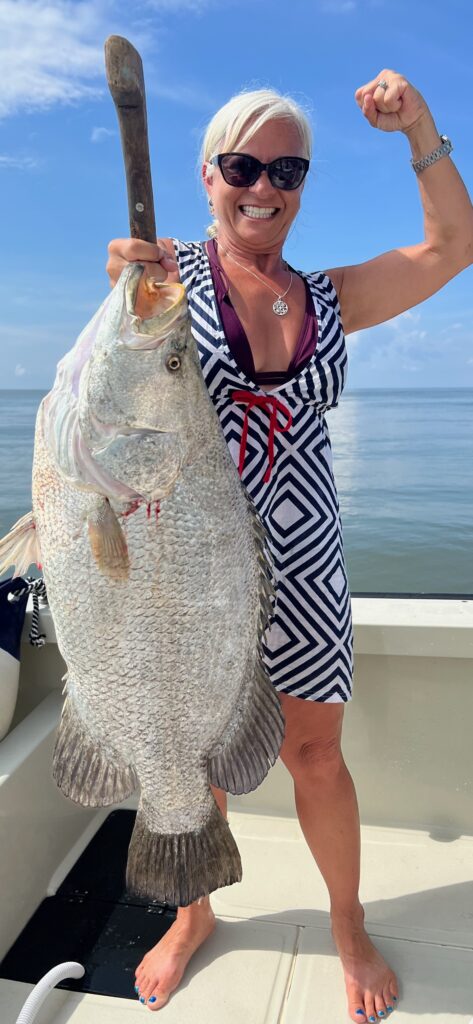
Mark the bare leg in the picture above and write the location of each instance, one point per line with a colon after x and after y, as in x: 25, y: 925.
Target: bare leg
x: 328, y: 814
x: 161, y: 970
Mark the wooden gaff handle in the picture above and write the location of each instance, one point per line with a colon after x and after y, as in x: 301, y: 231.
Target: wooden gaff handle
x: 126, y: 83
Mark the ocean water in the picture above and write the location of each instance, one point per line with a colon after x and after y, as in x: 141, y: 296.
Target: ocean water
x: 403, y: 462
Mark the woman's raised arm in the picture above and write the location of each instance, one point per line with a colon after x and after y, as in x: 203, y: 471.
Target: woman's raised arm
x: 381, y: 288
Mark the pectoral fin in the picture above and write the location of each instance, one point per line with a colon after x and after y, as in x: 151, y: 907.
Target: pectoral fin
x: 107, y: 542
x: 20, y: 547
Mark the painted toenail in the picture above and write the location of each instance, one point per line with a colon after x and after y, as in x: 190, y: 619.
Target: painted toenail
x: 381, y: 1013
x: 389, y: 1009
x: 152, y: 999
x: 372, y: 1019
x: 142, y: 999
x: 395, y: 999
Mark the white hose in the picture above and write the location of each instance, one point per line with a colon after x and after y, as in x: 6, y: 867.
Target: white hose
x: 44, y: 986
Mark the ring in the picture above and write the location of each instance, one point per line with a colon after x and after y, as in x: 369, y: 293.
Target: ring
x: 382, y: 85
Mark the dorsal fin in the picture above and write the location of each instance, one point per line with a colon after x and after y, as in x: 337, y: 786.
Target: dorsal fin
x: 267, y: 591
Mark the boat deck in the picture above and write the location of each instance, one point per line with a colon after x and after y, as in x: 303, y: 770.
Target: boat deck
x: 272, y: 960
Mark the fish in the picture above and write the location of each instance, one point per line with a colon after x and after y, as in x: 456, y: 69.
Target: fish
x: 160, y: 585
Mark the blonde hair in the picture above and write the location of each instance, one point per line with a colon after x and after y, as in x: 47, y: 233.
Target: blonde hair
x: 244, y: 114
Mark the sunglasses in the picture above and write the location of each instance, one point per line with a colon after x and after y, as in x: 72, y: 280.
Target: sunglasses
x: 241, y: 170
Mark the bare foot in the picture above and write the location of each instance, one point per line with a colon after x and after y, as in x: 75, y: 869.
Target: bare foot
x: 371, y: 985
x: 161, y: 970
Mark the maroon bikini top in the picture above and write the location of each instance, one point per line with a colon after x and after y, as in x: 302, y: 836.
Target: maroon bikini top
x: 238, y: 342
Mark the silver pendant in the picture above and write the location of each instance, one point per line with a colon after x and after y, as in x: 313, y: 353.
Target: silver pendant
x: 280, y: 307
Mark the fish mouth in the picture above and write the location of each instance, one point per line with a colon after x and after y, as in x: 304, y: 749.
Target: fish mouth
x: 169, y: 309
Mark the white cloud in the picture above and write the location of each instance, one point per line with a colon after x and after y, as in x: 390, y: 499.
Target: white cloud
x: 22, y: 163
x: 19, y: 370
x: 398, y: 322
x: 353, y: 339
x: 411, y: 350
x: 49, y: 52
x: 452, y: 327
x: 100, y: 134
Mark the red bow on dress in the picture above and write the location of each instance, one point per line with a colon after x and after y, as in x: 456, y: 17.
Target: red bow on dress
x: 273, y: 406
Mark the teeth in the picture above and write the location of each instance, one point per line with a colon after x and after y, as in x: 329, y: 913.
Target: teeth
x: 259, y: 211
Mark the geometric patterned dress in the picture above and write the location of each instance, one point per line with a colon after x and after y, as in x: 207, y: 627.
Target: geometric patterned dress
x: 281, y: 444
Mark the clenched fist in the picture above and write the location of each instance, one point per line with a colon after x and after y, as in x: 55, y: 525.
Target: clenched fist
x: 395, y: 109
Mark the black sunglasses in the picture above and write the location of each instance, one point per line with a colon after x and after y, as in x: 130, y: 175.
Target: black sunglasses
x: 241, y: 170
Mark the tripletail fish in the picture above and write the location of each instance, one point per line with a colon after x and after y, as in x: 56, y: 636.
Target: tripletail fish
x: 160, y: 586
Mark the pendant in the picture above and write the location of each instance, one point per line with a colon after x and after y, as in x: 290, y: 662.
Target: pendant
x: 280, y: 307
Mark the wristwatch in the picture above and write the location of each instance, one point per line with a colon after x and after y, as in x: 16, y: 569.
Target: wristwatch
x: 426, y: 161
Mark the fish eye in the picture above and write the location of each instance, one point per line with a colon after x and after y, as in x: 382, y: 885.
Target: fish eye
x: 173, y: 362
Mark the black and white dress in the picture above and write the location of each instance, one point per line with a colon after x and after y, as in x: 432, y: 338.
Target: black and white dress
x: 281, y: 443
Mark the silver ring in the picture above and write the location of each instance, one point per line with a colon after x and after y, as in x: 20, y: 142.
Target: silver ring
x: 382, y: 85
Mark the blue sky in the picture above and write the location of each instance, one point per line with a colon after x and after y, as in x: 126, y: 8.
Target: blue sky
x: 63, y: 195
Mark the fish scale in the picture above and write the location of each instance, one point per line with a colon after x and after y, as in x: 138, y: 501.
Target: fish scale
x: 159, y: 618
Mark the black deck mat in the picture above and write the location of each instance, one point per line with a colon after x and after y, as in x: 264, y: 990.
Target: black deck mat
x: 100, y: 870
x: 92, y: 919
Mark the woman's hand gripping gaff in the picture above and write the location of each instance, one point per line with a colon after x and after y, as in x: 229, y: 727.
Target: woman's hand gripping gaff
x: 159, y: 266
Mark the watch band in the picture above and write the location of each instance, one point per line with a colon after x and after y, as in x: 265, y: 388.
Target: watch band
x: 437, y: 154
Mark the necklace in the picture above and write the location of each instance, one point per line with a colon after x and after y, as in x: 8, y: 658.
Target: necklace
x: 279, y: 306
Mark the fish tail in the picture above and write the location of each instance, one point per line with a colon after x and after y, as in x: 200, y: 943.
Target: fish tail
x: 241, y: 762
x: 178, y: 869
x: 20, y: 547
x: 82, y: 771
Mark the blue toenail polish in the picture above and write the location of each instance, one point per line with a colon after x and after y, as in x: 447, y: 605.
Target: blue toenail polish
x: 142, y: 999
x: 136, y: 988
x: 381, y: 1013
x: 152, y: 999
x: 395, y: 999
x: 389, y: 1009
x: 372, y: 1019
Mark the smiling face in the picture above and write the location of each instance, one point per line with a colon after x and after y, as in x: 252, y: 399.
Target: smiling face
x: 257, y: 218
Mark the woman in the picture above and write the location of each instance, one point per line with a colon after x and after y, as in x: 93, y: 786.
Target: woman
x: 273, y: 355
